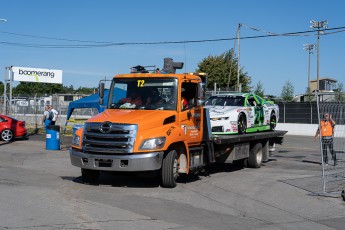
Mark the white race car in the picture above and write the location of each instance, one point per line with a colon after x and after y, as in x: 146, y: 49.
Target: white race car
x: 239, y: 113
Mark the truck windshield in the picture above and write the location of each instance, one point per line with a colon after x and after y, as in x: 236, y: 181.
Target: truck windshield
x: 143, y: 93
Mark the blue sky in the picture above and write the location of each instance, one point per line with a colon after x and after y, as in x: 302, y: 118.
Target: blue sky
x: 273, y: 61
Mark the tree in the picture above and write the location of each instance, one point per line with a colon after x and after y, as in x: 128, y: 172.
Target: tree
x: 340, y: 92
x: 84, y: 90
x: 218, y: 69
x: 287, y: 91
x: 1, y: 88
x: 30, y: 88
x: 259, y: 89
x: 309, y: 96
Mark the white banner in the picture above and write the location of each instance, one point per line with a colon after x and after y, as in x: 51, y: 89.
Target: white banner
x: 37, y: 75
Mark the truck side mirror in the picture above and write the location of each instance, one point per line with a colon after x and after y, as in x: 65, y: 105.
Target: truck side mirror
x: 201, y: 94
x: 101, y: 92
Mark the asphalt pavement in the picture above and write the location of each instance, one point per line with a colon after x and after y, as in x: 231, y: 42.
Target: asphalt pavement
x: 40, y: 189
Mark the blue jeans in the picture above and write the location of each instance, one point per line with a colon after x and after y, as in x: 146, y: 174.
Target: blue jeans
x: 46, y: 123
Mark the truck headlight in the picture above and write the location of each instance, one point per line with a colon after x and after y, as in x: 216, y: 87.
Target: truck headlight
x: 76, y: 140
x: 153, y: 143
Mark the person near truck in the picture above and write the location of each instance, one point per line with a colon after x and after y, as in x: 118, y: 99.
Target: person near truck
x: 45, y: 120
x: 134, y: 100
x: 53, y: 115
x: 327, y: 132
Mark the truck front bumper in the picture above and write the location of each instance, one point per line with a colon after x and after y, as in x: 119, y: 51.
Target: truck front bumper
x: 124, y: 163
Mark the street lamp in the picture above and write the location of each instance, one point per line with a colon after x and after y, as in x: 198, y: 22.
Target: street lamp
x: 309, y: 48
x: 4, y: 20
x: 318, y: 26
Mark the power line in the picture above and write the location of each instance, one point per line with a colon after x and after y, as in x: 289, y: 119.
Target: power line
x: 109, y: 44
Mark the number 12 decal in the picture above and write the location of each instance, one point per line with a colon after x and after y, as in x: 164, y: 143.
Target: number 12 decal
x: 141, y: 83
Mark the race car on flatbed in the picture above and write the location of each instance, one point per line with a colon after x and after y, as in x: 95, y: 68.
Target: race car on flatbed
x: 238, y: 113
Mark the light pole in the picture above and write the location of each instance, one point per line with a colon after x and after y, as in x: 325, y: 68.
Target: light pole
x: 309, y: 48
x: 318, y: 25
x: 4, y: 20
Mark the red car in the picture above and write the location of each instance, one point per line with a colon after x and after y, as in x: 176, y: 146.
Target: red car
x: 11, y: 128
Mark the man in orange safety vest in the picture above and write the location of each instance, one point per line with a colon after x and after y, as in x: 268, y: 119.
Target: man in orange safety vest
x: 327, y: 132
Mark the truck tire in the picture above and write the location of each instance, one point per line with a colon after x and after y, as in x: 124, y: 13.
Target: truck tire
x: 242, y: 123
x: 273, y: 121
x: 170, y: 169
x: 255, y: 156
x: 90, y: 176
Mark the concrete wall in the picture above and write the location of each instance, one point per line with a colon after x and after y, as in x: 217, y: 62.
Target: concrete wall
x: 308, y: 129
x: 298, y: 129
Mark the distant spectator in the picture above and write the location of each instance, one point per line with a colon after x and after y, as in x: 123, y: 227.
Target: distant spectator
x: 45, y: 119
x: 53, y: 115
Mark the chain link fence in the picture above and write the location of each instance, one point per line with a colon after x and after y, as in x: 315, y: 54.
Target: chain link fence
x: 332, y: 148
x: 30, y: 109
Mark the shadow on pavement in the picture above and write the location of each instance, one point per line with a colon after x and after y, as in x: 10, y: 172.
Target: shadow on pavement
x: 152, y: 179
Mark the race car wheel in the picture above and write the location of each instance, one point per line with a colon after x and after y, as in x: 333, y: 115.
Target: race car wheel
x: 7, y: 135
x: 242, y: 123
x: 273, y: 121
x: 170, y: 168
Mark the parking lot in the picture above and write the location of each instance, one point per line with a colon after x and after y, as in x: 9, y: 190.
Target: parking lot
x: 40, y: 189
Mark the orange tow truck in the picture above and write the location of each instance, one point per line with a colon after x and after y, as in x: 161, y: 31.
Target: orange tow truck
x: 156, y: 121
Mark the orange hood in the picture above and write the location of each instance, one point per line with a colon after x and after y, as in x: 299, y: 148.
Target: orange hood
x: 146, y: 119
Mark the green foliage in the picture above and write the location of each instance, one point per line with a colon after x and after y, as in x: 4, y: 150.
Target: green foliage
x: 30, y: 88
x: 1, y: 88
x: 287, y: 91
x: 340, y: 92
x: 309, y: 96
x: 84, y: 90
x: 218, y: 68
x: 259, y: 89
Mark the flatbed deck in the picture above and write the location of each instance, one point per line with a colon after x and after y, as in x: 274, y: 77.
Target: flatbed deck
x: 238, y: 138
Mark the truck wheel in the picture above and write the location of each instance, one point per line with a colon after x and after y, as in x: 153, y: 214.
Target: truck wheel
x: 90, y: 176
x: 255, y: 156
x: 242, y: 123
x: 7, y: 135
x: 273, y: 121
x: 170, y: 170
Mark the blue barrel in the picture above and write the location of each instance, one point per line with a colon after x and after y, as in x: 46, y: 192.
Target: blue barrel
x: 76, y: 127
x: 53, y: 137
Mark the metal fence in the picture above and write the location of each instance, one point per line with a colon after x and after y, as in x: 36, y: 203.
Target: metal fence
x: 332, y: 149
x: 31, y: 108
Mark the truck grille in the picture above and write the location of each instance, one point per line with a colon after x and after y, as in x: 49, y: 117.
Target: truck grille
x: 109, y: 138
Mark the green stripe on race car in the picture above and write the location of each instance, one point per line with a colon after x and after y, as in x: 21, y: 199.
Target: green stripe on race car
x: 259, y: 128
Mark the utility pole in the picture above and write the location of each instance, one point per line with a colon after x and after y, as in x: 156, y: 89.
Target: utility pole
x: 238, y: 58
x: 309, y: 48
x: 318, y: 26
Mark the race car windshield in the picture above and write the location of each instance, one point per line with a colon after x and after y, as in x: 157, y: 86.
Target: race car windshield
x: 144, y: 94
x: 230, y: 101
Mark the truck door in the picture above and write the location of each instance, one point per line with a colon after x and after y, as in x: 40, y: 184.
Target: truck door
x: 190, y: 113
